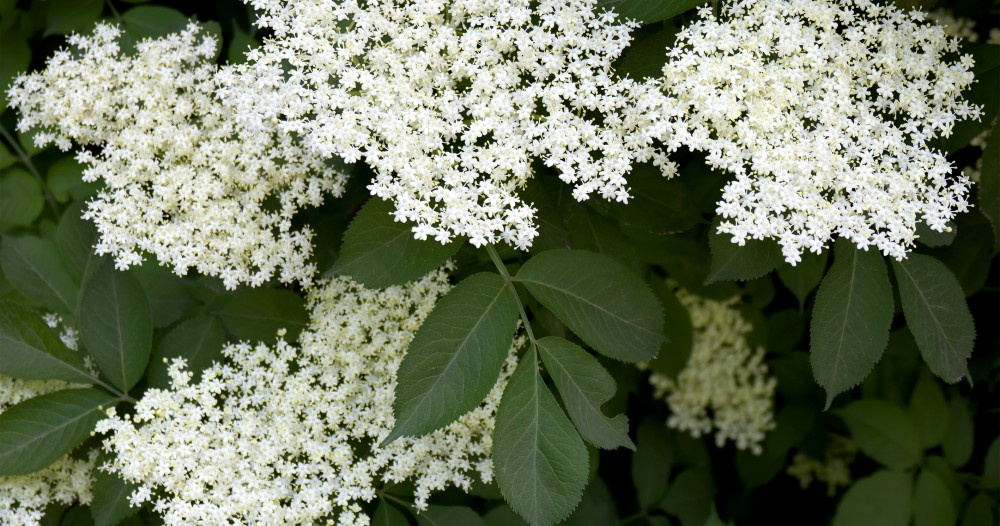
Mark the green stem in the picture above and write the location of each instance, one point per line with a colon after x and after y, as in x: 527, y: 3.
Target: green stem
x: 26, y: 160
x: 389, y: 496
x: 510, y: 285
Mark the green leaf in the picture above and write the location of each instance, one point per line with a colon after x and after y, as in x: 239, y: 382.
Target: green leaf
x: 67, y: 16
x: 6, y: 158
x: 851, y: 319
x: 540, y: 460
x: 150, y: 21
x: 585, y: 386
x: 379, y: 252
x: 882, y: 499
x: 448, y: 516
x: 991, y: 465
x: 937, y: 315
x: 884, y: 432
x: 933, y: 238
x: 75, y: 238
x: 989, y: 183
x: 794, y: 422
x: 980, y: 512
x: 597, y: 508
x: 198, y: 340
x: 599, y: 299
x: 256, y: 315
x: 503, y: 515
x: 33, y: 267
x: 732, y: 262
x: 674, y: 354
x: 21, y: 199
x: 651, y: 463
x: 30, y: 349
x: 65, y: 180
x: 168, y: 293
x: 456, y: 356
x: 116, y: 325
x: 110, y: 504
x: 805, y: 276
x: 929, y: 410
x: 649, y: 11
x: 387, y: 515
x: 14, y: 60
x: 690, y: 497
x: 959, y: 434
x: 36, y: 432
x: 932, y: 505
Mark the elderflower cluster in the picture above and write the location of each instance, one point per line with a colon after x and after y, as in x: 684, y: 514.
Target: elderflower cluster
x: 290, y: 434
x: 23, y: 498
x: 834, y: 470
x: 823, y: 109
x: 182, y: 181
x: 450, y: 102
x: 725, y: 385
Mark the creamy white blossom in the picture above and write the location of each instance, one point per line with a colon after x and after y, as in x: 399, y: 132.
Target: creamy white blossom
x: 834, y: 469
x: 450, y: 102
x: 823, y: 109
x: 181, y: 181
x: 289, y: 434
x: 23, y: 498
x: 725, y: 385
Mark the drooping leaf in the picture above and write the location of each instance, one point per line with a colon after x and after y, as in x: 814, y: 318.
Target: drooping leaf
x: 449, y: 515
x: 379, y: 252
x: 882, y: 499
x: 456, y: 356
x: 803, y: 278
x: 933, y: 238
x: 884, y: 432
x: 929, y: 411
x: 584, y: 387
x: 30, y: 349
x: 732, y: 262
x: 198, y: 340
x: 110, y: 504
x: 256, y: 315
x: 959, y: 436
x: 932, y: 505
x: 66, y: 16
x: 116, y: 326
x: 949, y: 477
x: 599, y: 299
x: 649, y: 11
x: 937, y: 314
x: 850, y: 320
x: 651, y: 463
x: 33, y: 267
x: 540, y: 460
x: 21, y: 198
x: 37, y: 431
x: 690, y: 497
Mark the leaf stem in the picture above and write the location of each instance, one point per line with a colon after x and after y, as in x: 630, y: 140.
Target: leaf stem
x: 389, y: 496
x: 510, y: 285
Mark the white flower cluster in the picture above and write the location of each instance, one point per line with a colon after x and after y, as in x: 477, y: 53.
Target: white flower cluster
x: 289, y: 435
x: 725, y: 384
x: 182, y: 181
x: 823, y: 110
x: 23, y: 498
x: 451, y: 101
